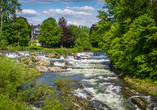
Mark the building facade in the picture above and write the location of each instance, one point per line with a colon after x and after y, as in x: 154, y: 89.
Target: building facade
x: 34, y: 32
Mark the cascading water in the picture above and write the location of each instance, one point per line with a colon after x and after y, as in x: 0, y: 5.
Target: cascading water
x: 93, y: 72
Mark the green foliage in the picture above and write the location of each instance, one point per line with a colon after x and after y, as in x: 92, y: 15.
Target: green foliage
x: 8, y: 9
x: 61, y: 51
x: 81, y: 35
x: 50, y: 33
x: 22, y: 31
x: 63, y: 83
x: 33, y: 43
x: 13, y: 77
x: 52, y: 103
x: 8, y: 104
x: 3, y: 41
x: 129, y: 35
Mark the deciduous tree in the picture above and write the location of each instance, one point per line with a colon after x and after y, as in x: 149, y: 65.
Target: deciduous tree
x: 50, y: 32
x: 66, y: 40
x: 8, y: 8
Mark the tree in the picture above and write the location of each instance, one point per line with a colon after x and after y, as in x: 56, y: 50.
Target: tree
x: 66, y: 39
x: 92, y: 28
x: 62, y: 22
x: 22, y: 32
x: 50, y: 32
x: 81, y: 35
x: 8, y: 9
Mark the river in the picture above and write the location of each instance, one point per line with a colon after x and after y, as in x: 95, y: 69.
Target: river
x: 93, y: 72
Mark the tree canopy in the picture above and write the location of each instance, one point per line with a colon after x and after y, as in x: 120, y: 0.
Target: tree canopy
x: 8, y: 9
x: 50, y: 32
x: 66, y: 40
x: 129, y: 35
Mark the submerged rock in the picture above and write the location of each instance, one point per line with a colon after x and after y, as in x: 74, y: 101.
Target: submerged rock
x: 67, y: 63
x: 76, y: 56
x: 140, y: 102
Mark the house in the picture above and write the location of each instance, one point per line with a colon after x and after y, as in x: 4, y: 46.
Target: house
x: 34, y: 32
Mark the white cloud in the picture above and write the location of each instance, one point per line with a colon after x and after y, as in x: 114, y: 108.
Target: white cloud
x: 72, y: 17
x: 28, y: 13
x: 34, y: 21
x: 84, y: 8
x: 66, y: 12
x: 74, y: 23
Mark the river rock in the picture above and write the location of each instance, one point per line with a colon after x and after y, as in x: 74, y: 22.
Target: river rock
x: 64, y: 67
x: 1, y: 54
x: 76, y: 56
x: 51, y: 55
x: 27, y: 60
x: 67, y: 63
x: 31, y: 53
x: 42, y: 69
x: 140, y: 102
x: 44, y: 62
x: 127, y: 92
x: 56, y: 69
x: 36, y: 58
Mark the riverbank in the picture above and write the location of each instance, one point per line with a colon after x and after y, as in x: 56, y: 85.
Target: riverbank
x: 146, y: 86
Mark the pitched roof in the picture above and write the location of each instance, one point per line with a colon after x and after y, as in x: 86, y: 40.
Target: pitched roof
x: 34, y: 26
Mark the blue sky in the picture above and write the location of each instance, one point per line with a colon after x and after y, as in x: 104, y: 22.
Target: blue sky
x: 76, y: 12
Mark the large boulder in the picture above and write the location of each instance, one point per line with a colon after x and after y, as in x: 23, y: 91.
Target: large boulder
x: 42, y: 69
x: 43, y: 62
x: 56, y: 69
x: 51, y: 55
x: 140, y: 102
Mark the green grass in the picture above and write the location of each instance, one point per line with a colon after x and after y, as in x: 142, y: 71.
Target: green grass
x: 144, y: 86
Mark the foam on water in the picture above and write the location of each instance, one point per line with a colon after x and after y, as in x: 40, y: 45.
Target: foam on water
x: 59, y: 63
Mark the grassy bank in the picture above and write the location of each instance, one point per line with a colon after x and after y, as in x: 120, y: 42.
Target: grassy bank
x: 38, y: 48
x: 143, y: 86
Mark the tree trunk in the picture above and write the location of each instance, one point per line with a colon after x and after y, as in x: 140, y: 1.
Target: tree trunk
x: 1, y: 20
x: 18, y: 42
x: 18, y: 37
